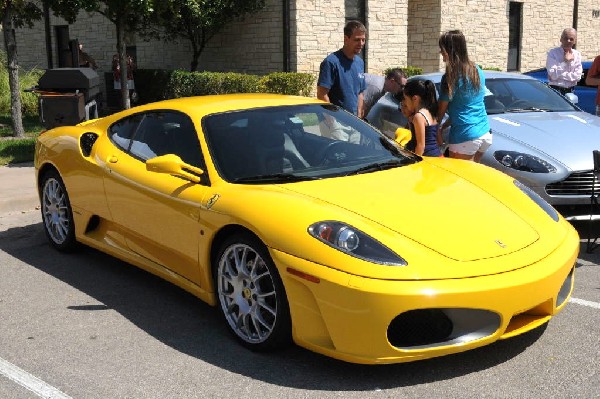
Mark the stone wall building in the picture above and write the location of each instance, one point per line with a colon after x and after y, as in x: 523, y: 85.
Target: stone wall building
x: 295, y: 35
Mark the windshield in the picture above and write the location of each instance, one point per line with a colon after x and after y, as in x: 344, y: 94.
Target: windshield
x: 521, y: 95
x: 293, y: 143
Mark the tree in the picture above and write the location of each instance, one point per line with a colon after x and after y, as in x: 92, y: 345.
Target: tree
x: 126, y: 15
x: 196, y: 20
x: 16, y: 14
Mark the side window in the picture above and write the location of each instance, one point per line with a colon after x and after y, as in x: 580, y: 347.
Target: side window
x: 182, y: 139
x: 162, y: 133
x: 121, y: 132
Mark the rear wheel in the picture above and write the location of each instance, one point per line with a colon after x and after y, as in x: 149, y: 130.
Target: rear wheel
x: 251, y: 295
x: 57, y: 214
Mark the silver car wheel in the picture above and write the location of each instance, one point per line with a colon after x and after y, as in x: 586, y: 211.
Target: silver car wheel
x: 247, y: 293
x: 56, y: 212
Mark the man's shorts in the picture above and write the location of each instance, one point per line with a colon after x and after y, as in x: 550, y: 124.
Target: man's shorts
x: 471, y: 147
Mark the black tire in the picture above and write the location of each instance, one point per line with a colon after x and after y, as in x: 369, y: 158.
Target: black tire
x: 57, y: 215
x: 251, y: 295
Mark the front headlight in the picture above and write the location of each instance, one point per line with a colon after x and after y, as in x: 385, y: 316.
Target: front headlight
x: 523, y: 162
x: 538, y: 200
x: 354, y: 242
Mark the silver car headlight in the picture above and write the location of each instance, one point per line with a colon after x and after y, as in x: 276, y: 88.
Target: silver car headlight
x: 523, y: 162
x: 354, y: 242
x: 549, y: 209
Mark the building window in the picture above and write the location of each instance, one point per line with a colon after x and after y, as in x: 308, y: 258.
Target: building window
x: 515, y: 26
x: 63, y: 46
x: 356, y: 10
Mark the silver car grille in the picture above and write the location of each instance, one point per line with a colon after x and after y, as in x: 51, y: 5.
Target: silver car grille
x: 578, y: 183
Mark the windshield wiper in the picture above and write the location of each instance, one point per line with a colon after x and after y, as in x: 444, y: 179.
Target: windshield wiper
x: 274, y: 178
x: 528, y: 109
x: 377, y: 166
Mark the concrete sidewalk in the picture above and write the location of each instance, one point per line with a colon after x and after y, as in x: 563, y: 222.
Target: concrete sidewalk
x: 18, y: 191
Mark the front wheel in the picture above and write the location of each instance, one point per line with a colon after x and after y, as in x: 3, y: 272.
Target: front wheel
x: 57, y: 214
x: 251, y: 295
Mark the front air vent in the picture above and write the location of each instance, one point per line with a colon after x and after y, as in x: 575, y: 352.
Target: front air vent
x: 86, y: 142
x: 429, y: 328
x: 576, y: 184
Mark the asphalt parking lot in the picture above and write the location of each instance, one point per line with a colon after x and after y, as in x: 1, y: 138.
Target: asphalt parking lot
x: 86, y: 325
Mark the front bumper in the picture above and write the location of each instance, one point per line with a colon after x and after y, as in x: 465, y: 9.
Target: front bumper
x: 355, y: 319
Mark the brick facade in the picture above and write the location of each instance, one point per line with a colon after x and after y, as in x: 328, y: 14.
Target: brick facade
x: 401, y: 32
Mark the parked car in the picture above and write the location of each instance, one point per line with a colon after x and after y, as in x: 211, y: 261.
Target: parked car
x: 384, y: 115
x: 586, y: 95
x: 301, y: 222
x: 539, y: 138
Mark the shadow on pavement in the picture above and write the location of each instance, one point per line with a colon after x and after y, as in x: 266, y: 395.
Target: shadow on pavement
x: 190, y: 326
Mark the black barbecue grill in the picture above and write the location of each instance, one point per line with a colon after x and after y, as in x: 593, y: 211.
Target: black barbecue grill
x: 68, y: 96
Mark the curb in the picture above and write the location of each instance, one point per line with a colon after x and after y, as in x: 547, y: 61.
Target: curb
x: 22, y: 204
x: 18, y: 192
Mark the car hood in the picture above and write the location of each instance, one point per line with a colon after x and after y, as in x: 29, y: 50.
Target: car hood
x: 564, y: 136
x: 429, y: 205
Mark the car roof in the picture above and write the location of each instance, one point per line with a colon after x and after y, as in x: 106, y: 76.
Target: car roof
x: 436, y: 77
x: 200, y: 106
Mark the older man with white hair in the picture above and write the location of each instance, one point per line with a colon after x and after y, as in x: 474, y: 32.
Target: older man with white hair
x: 564, y: 63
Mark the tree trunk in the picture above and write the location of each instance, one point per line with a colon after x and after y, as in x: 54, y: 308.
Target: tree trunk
x: 120, y: 24
x: 12, y: 66
x: 198, y: 44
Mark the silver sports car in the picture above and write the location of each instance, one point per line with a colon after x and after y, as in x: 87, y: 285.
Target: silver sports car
x: 539, y: 137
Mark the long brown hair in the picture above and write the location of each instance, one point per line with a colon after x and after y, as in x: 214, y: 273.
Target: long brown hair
x: 458, y: 64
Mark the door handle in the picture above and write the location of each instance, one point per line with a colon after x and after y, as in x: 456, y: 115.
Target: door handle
x: 113, y: 159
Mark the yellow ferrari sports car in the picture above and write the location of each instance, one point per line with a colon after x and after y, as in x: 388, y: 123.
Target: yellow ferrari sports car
x: 304, y: 224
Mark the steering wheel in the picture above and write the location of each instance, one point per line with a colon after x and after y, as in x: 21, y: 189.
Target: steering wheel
x: 519, y: 104
x: 328, y: 153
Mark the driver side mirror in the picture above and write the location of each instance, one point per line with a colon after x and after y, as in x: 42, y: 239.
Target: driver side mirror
x: 572, y: 97
x: 173, y: 165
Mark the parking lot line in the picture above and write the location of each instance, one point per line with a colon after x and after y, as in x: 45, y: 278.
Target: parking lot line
x: 583, y: 302
x: 30, y: 382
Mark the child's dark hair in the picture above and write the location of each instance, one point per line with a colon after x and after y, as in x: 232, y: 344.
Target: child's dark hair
x: 424, y: 89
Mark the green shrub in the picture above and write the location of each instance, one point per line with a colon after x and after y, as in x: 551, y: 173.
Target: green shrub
x: 408, y: 70
x: 16, y: 150
x: 186, y: 84
x: 175, y: 84
x: 490, y: 68
x: 27, y: 80
x: 296, y: 84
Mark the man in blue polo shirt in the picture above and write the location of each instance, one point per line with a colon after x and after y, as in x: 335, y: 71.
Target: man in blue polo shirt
x: 341, y: 76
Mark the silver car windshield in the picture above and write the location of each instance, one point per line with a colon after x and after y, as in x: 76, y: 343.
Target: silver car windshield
x: 522, y: 95
x: 301, y: 142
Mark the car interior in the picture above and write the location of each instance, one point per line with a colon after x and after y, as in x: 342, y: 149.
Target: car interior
x: 275, y: 141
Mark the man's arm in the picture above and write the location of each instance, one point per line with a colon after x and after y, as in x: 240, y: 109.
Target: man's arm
x: 593, y: 77
x: 361, y: 109
x: 553, y: 66
x: 442, y: 108
x: 574, y: 70
x: 323, y: 93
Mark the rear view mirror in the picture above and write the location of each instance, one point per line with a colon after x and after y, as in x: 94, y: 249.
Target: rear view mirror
x: 173, y: 165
